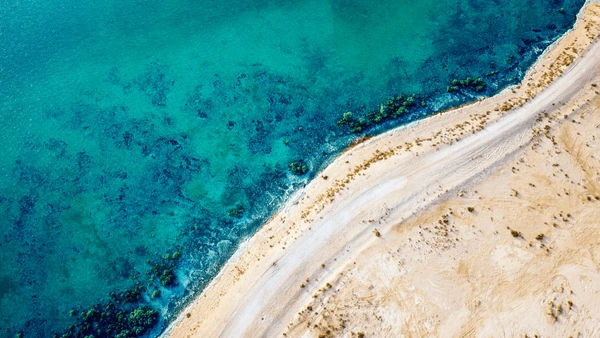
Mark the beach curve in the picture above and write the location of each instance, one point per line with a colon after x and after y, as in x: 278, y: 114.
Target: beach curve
x: 286, y: 263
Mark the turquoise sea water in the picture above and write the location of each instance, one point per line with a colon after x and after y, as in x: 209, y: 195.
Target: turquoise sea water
x: 142, y: 141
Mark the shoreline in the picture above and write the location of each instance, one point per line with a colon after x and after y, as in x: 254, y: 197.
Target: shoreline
x: 251, y: 254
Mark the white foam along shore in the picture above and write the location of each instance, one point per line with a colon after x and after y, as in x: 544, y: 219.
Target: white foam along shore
x: 386, y: 179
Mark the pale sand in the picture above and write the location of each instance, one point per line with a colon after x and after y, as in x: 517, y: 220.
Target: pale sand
x: 383, y: 244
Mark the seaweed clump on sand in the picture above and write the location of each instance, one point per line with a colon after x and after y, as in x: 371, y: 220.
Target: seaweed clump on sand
x: 127, y: 314
x: 469, y: 83
x: 298, y: 168
x: 164, y: 271
x: 237, y: 212
x: 109, y: 320
x: 392, y: 109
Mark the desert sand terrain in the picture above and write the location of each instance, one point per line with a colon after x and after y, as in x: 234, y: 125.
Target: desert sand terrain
x: 479, y: 221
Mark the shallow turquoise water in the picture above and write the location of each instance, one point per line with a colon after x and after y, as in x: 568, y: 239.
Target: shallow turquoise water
x: 130, y: 130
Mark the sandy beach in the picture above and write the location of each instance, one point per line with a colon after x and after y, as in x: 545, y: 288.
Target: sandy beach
x: 479, y: 221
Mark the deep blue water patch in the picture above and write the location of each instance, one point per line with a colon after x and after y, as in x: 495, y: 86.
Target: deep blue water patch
x: 142, y: 142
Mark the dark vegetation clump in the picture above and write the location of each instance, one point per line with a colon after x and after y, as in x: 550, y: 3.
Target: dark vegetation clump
x: 470, y: 84
x: 167, y: 278
x: 390, y: 110
x: 164, y: 269
x: 142, y: 318
x: 237, y: 212
x: 125, y: 314
x: 176, y: 255
x: 108, y: 320
x: 131, y: 295
x: 298, y: 168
